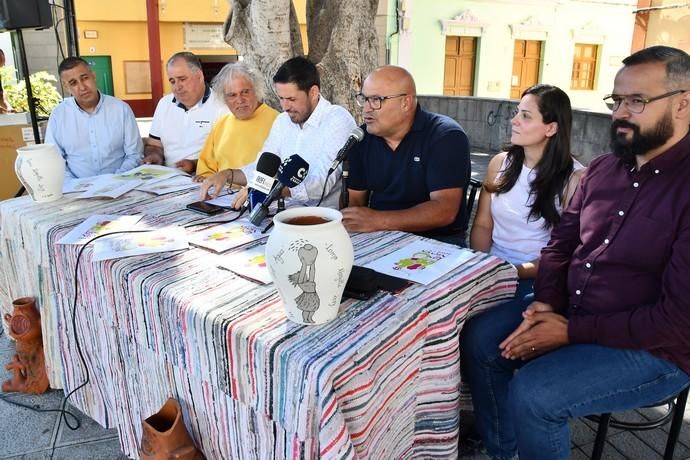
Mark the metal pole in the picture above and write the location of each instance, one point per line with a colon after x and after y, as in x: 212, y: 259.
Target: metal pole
x: 29, y: 93
x: 71, y: 28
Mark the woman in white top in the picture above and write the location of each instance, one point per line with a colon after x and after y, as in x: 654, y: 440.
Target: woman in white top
x: 528, y: 186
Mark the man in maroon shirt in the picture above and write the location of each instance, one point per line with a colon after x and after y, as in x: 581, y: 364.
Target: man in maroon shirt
x: 609, y: 328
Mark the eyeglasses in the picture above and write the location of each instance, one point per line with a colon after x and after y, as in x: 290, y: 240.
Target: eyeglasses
x: 374, y: 101
x: 635, y: 104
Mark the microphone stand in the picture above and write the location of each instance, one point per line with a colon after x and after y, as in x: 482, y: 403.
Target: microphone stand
x: 281, y: 207
x: 344, y: 194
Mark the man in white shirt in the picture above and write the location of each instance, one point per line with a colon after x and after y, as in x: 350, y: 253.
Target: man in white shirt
x: 183, y: 119
x: 309, y: 126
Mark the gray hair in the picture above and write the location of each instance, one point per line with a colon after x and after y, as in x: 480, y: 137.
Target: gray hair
x: 234, y: 70
x: 191, y: 59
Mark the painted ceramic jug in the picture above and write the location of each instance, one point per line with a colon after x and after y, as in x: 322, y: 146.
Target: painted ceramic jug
x: 309, y: 256
x: 41, y: 169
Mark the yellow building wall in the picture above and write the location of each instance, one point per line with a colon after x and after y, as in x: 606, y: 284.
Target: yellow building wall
x: 122, y: 41
x: 122, y: 32
x: 122, y: 10
x: 193, y: 11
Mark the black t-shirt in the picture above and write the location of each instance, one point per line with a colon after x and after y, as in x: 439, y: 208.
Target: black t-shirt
x: 434, y: 155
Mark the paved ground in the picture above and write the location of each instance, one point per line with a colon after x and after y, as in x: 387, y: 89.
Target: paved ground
x: 28, y: 435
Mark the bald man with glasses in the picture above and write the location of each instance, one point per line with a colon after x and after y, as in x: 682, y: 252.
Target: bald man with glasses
x: 412, y: 168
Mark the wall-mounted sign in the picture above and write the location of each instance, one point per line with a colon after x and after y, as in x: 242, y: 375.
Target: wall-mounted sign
x: 90, y: 34
x: 204, y: 36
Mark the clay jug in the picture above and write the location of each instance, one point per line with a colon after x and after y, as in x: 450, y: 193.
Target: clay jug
x: 165, y: 437
x: 41, y: 169
x: 28, y: 365
x: 309, y: 256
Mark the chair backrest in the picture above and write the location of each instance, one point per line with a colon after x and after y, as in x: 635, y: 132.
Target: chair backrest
x: 474, y: 188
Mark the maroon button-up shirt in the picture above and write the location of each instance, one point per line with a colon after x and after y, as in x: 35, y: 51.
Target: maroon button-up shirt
x: 618, y: 264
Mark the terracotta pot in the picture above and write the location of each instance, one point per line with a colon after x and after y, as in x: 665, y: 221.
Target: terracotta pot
x: 41, y: 169
x: 28, y: 365
x: 309, y: 256
x: 165, y: 436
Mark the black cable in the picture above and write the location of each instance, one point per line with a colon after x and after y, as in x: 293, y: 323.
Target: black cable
x: 56, y: 23
x: 76, y: 335
x: 198, y: 224
x: 323, y: 192
x: 36, y: 408
x: 64, y: 413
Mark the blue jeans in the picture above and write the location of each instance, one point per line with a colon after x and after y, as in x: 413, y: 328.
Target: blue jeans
x: 528, y: 410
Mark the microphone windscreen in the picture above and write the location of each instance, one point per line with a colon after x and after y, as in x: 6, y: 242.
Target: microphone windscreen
x: 293, y: 171
x: 357, y: 133
x: 268, y: 164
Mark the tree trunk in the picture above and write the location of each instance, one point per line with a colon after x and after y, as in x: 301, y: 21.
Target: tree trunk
x: 341, y: 33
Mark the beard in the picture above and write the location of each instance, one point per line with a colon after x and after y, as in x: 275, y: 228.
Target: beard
x: 640, y: 143
x: 302, y: 117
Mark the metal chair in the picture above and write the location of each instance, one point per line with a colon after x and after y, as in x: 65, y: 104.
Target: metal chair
x: 474, y: 187
x: 675, y: 412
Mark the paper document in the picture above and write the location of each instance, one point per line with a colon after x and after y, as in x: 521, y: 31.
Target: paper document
x: 108, y: 187
x: 172, y: 184
x: 149, y: 173
x: 135, y: 244
x: 224, y: 201
x: 99, y: 224
x: 248, y: 263
x: 223, y: 237
x: 421, y: 262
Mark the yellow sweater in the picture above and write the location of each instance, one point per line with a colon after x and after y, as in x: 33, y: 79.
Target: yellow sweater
x: 234, y: 143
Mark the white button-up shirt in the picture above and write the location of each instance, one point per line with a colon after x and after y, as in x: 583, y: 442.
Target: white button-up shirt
x: 318, y: 142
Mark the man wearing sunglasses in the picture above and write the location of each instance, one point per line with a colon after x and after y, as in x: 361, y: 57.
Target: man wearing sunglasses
x: 609, y: 329
x: 411, y: 170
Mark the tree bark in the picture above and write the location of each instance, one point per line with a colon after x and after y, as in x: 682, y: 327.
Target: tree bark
x: 341, y: 33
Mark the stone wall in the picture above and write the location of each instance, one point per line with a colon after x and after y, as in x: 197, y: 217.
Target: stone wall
x: 487, y: 122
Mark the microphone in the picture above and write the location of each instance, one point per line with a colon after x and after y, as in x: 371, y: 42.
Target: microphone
x: 262, y: 180
x: 356, y: 135
x: 290, y: 174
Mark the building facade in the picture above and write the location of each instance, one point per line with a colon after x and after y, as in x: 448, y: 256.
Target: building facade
x: 662, y: 22
x: 497, y: 48
x: 114, y: 40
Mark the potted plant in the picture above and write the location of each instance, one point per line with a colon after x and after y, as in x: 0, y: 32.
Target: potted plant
x: 43, y: 88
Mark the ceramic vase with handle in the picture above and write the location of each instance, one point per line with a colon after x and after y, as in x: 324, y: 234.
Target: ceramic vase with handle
x: 41, y: 169
x: 309, y: 256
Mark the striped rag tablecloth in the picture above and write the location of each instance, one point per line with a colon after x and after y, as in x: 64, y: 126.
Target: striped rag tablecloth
x: 382, y: 381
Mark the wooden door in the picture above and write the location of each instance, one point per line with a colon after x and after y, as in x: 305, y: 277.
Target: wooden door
x: 526, y: 65
x: 458, y: 73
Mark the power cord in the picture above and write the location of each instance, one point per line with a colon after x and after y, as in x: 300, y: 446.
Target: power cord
x: 56, y: 23
x: 64, y: 413
x: 37, y: 408
x: 213, y: 222
x: 323, y: 191
x: 80, y: 352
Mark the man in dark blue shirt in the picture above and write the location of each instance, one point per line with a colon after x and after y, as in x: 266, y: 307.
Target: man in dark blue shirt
x: 411, y: 170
